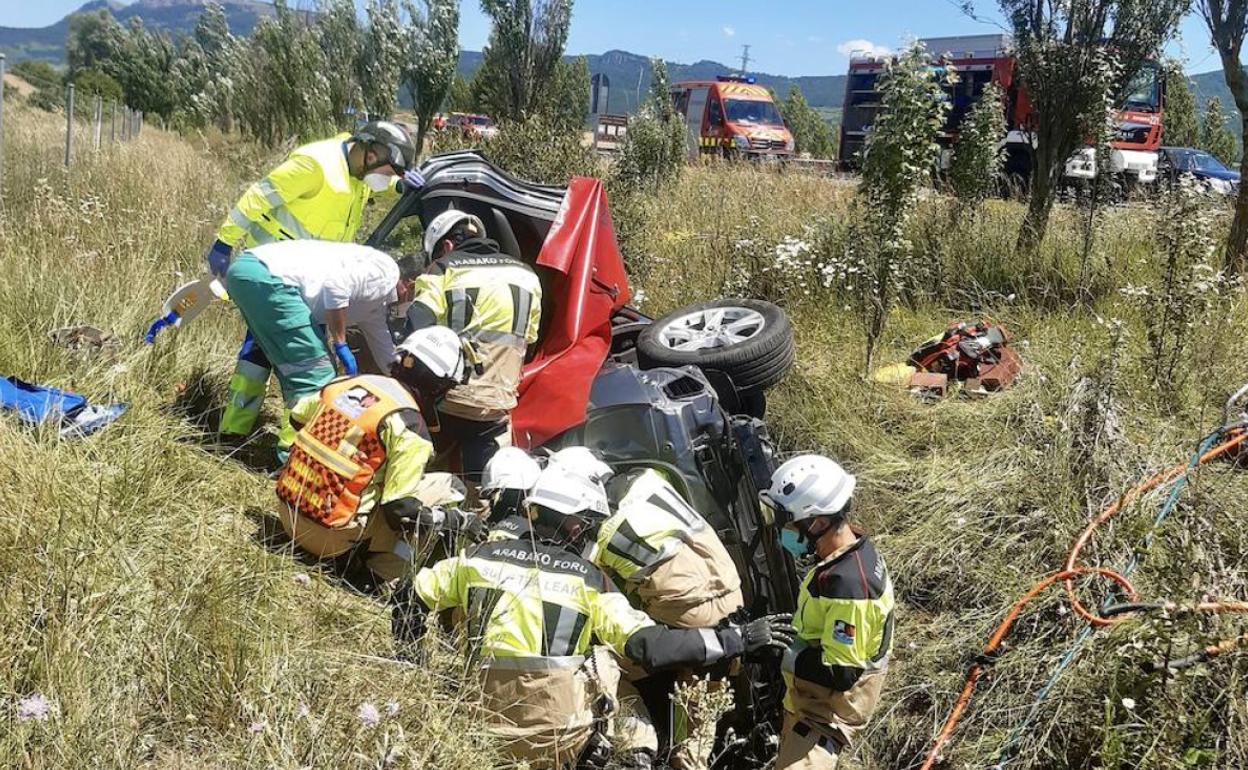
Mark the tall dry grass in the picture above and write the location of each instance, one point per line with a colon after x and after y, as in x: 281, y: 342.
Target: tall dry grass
x: 141, y: 601
x: 971, y: 502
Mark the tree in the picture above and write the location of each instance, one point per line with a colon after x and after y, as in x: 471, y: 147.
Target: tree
x: 525, y: 46
x: 1070, y: 54
x: 1180, y: 128
x: 283, y: 89
x: 38, y: 73
x: 900, y: 154
x: 341, y: 44
x: 96, y: 83
x: 459, y: 96
x: 811, y: 134
x: 432, y: 60
x: 1228, y: 24
x: 977, y: 156
x: 565, y: 103
x: 383, y: 53
x: 93, y: 40
x: 1215, y: 137
x: 654, y: 147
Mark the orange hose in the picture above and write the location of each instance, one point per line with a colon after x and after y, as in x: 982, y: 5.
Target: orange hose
x: 1070, y: 571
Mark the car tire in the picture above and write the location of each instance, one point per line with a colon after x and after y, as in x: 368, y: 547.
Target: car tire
x: 749, y: 341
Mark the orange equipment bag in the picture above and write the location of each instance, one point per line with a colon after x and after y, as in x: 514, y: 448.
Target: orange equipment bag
x: 974, y: 352
x: 336, y: 455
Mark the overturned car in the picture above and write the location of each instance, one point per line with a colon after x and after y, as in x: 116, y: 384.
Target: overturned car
x: 682, y: 394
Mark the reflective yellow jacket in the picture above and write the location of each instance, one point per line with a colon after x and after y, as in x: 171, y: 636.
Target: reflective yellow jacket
x: 311, y: 194
x: 407, y: 446
x: 835, y: 670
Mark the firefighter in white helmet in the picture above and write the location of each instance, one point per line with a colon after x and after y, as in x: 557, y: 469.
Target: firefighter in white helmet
x: 494, y: 301
x: 509, y: 477
x: 834, y: 671
x: 356, y: 476
x: 670, y: 562
x: 538, y: 609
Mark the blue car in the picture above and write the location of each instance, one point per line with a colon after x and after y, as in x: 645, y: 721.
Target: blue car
x: 1176, y: 161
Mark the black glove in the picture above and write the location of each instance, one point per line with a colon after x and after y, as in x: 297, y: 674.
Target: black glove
x: 770, y: 631
x: 465, y: 523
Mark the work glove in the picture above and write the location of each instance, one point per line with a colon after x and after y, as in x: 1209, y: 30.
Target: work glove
x: 464, y: 523
x: 412, y: 180
x: 218, y: 258
x: 770, y: 632
x: 349, y: 366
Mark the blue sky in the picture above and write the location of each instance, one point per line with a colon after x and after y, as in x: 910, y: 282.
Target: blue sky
x: 808, y: 37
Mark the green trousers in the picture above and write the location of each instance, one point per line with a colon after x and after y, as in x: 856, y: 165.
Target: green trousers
x: 283, y: 327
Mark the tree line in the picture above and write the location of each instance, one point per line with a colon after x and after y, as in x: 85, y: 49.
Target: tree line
x: 301, y: 74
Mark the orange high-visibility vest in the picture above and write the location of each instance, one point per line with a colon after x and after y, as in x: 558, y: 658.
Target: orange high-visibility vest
x: 336, y: 455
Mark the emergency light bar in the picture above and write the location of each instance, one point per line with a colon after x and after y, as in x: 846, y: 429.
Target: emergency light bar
x: 751, y: 80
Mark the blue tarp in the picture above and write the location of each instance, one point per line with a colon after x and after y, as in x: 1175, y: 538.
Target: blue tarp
x: 35, y: 404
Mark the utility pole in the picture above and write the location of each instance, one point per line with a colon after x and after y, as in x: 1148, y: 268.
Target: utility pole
x: 745, y: 59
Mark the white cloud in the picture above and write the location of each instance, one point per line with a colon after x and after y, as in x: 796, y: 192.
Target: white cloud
x: 860, y: 47
x: 729, y: 32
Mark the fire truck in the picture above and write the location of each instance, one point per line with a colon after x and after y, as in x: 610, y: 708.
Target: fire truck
x: 983, y: 59
x: 731, y: 116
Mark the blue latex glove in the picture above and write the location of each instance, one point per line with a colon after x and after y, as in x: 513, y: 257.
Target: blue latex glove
x: 219, y: 258
x: 157, y: 325
x: 412, y: 180
x: 347, y: 358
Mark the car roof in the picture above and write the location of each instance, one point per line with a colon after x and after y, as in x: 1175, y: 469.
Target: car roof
x: 729, y: 88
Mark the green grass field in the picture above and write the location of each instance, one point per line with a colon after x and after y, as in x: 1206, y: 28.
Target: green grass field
x: 145, y: 604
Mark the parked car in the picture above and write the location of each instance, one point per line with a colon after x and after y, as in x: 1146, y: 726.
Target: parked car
x: 471, y: 125
x: 682, y: 394
x: 1189, y: 161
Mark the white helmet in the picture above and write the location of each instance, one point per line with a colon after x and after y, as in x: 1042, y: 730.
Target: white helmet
x: 565, y: 491
x: 443, y: 223
x: 438, y: 348
x: 808, y: 486
x: 583, y: 462
x: 510, y: 468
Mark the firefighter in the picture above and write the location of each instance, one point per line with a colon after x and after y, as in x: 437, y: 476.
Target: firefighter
x: 318, y: 192
x: 288, y: 291
x: 509, y: 476
x: 356, y: 473
x: 834, y: 670
x: 537, y: 608
x: 670, y: 561
x: 494, y: 301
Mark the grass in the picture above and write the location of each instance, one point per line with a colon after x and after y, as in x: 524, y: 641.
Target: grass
x: 145, y: 599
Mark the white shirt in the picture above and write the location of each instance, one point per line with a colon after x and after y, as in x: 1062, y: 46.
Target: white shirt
x: 333, y: 276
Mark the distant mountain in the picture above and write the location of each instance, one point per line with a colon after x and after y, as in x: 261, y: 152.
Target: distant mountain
x: 629, y: 74
x: 1209, y: 85
x: 173, y: 16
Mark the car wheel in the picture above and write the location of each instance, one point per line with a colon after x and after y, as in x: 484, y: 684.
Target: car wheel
x: 749, y: 341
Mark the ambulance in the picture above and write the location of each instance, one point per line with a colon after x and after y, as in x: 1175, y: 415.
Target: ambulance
x: 732, y: 117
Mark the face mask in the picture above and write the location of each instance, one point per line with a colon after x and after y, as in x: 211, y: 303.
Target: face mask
x: 794, y: 544
x: 379, y: 182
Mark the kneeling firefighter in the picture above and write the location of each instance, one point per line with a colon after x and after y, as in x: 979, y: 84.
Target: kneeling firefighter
x: 356, y: 472
x: 672, y: 564
x: 537, y: 608
x: 494, y: 301
x: 509, y: 477
x: 835, y: 669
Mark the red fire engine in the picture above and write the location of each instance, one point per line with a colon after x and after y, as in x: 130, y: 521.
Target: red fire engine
x: 983, y: 59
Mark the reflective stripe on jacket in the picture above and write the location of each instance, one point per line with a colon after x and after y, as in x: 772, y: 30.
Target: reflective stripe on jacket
x: 362, y: 444
x: 495, y: 301
x: 535, y: 605
x: 652, y: 522
x: 311, y: 194
x: 835, y: 670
